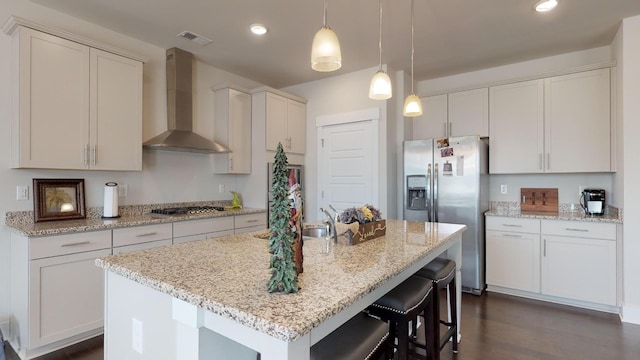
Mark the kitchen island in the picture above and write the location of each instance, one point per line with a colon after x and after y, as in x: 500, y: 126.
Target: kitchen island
x: 208, y: 299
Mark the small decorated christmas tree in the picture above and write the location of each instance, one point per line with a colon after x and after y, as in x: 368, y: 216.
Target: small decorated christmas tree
x: 283, y: 271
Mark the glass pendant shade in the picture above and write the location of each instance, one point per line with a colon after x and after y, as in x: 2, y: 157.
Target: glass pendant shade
x: 325, y: 51
x: 380, y: 88
x: 412, y: 106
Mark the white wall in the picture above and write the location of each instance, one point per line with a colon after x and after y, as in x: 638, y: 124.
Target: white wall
x: 628, y: 52
x: 341, y: 94
x: 166, y: 176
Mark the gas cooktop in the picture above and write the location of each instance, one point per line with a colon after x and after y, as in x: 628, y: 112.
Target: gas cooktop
x: 187, y: 210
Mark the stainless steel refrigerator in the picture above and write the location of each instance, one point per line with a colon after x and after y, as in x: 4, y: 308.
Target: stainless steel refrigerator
x: 446, y: 180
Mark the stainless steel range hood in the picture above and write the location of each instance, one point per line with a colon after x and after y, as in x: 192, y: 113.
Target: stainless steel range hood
x: 179, y: 136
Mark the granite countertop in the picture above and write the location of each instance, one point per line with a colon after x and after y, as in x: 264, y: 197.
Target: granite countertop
x: 569, y: 215
x: 228, y: 276
x: 22, y: 222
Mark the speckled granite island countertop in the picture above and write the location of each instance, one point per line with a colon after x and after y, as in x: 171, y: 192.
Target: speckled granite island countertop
x: 228, y: 276
x: 22, y: 222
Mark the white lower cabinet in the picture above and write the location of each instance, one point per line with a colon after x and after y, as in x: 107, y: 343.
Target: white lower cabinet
x: 513, y: 253
x: 566, y: 261
x: 57, y: 291
x: 250, y: 222
x: 201, y: 229
x: 577, y: 266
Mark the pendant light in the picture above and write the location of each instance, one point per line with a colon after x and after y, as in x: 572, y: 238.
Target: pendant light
x: 380, y: 88
x: 325, y: 51
x: 412, y: 104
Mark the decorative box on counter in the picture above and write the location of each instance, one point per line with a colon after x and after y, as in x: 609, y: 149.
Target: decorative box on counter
x: 366, y: 231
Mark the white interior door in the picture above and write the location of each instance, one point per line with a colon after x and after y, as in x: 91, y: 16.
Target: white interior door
x: 348, y: 165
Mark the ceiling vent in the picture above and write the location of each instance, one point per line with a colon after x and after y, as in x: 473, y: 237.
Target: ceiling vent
x: 200, y: 40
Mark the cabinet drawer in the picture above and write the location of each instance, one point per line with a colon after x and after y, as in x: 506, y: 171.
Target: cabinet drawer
x: 513, y: 224
x: 143, y: 246
x: 579, y: 229
x: 250, y: 220
x: 46, y: 246
x: 250, y: 229
x: 141, y: 234
x: 202, y: 226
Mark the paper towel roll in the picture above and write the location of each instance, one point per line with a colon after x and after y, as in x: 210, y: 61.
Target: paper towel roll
x: 110, y: 200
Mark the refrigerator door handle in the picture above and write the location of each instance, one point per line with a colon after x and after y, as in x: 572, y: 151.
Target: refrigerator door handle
x: 428, y: 193
x: 435, y: 192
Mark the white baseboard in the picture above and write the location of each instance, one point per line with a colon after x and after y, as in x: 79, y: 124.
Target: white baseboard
x: 631, y: 314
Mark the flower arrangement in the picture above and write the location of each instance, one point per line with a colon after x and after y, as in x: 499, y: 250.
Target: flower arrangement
x: 362, y: 215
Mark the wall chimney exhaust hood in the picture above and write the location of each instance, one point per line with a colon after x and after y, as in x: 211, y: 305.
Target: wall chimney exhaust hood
x: 179, y: 136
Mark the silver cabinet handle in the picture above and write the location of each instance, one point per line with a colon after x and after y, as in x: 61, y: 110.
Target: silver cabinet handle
x: 540, y: 161
x: 544, y: 248
x: 85, y: 157
x: 512, y: 235
x: 512, y: 225
x: 449, y: 132
x: 76, y: 243
x: 93, y: 155
x: 147, y: 234
x: 580, y: 230
x: 252, y: 221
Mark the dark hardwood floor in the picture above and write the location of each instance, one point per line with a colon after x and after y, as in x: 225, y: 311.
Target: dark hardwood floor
x: 497, y: 327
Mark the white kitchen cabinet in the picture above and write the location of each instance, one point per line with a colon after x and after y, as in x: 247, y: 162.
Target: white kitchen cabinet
x: 516, y: 129
x: 560, y: 124
x: 579, y: 261
x: 433, y: 121
x: 77, y: 107
x: 201, y: 229
x: 250, y: 222
x: 455, y: 114
x: 513, y: 253
x: 468, y: 113
x: 56, y: 290
x: 578, y: 122
x: 232, y: 128
x: 135, y: 238
x: 284, y: 117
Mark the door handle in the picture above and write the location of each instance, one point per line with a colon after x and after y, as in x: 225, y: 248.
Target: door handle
x: 428, y: 193
x: 435, y: 192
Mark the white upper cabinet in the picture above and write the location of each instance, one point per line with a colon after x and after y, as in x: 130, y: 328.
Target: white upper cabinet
x: 285, y: 123
x: 516, y: 133
x: 578, y: 122
x: 232, y: 127
x: 433, y: 121
x: 455, y: 114
x: 560, y: 124
x: 77, y: 107
x: 469, y: 113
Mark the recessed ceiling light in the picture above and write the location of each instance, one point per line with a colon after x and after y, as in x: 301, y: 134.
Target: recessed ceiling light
x: 258, y: 29
x: 546, y: 5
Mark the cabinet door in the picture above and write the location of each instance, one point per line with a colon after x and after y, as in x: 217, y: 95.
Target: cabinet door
x: 116, y: 112
x: 580, y: 269
x: 52, y: 127
x: 578, y: 122
x: 233, y: 129
x: 296, y: 127
x: 469, y: 113
x: 433, y: 121
x: 516, y: 128
x: 513, y: 260
x: 66, y: 295
x: 276, y: 121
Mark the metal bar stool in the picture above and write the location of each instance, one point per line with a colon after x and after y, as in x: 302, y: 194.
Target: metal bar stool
x: 362, y: 337
x: 401, y: 306
x: 443, y: 274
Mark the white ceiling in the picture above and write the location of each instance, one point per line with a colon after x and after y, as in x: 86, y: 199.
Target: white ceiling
x: 451, y: 36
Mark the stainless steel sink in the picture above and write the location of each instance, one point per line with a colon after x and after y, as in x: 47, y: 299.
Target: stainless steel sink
x: 318, y: 232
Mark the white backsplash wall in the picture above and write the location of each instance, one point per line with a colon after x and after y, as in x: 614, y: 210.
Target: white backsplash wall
x: 567, y: 185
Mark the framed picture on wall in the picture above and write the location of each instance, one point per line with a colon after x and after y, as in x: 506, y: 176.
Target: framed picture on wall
x: 58, y: 199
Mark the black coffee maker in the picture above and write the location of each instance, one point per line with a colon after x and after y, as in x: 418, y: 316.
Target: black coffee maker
x: 593, y: 201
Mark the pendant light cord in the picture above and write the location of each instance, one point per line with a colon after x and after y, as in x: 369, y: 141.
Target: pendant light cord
x: 324, y: 16
x: 412, y: 1
x: 380, y: 41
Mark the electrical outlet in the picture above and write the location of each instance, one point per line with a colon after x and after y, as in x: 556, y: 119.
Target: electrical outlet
x: 221, y: 188
x: 22, y: 192
x: 123, y: 190
x: 136, y: 335
x: 503, y: 189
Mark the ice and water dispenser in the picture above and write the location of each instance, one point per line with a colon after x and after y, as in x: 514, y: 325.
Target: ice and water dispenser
x: 416, y: 192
